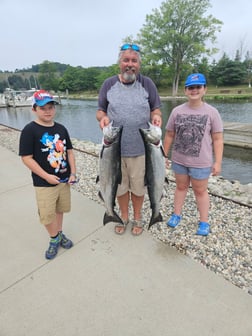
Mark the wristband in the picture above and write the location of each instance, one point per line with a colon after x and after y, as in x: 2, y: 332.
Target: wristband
x: 73, y: 175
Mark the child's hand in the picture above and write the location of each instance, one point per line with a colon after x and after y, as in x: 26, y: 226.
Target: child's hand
x: 53, y: 179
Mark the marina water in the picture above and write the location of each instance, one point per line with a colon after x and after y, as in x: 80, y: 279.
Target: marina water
x: 79, y: 117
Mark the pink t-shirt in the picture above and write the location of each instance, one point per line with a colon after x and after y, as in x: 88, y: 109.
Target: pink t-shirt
x: 193, y: 127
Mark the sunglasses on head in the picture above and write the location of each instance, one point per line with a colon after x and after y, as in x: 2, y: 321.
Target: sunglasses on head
x: 194, y: 87
x: 130, y: 46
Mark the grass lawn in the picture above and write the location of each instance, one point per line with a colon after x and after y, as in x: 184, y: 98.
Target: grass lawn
x: 233, y: 92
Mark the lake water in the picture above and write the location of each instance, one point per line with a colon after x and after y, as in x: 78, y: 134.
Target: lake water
x: 79, y: 117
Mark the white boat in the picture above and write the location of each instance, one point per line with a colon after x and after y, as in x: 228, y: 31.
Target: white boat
x: 22, y: 98
x: 19, y: 98
x: 2, y: 100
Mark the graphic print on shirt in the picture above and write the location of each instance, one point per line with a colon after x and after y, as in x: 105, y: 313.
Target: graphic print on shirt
x: 190, y: 130
x: 57, y: 151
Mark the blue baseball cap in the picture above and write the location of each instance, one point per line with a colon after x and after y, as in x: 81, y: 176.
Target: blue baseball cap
x: 195, y: 79
x: 42, y: 97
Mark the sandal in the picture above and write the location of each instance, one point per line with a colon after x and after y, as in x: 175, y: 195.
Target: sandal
x: 203, y: 229
x: 137, y: 228
x: 121, y: 228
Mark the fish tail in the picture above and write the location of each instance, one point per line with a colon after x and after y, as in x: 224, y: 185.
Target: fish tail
x: 112, y: 218
x: 156, y: 219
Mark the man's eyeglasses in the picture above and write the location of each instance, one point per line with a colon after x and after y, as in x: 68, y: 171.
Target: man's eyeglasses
x: 194, y: 87
x: 130, y: 46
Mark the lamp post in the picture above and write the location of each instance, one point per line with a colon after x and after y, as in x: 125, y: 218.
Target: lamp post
x: 249, y: 70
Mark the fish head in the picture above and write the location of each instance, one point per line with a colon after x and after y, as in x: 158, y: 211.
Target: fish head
x: 152, y: 135
x: 110, y: 133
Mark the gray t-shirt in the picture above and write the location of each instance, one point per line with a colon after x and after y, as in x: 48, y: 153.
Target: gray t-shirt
x: 193, y: 127
x: 129, y: 105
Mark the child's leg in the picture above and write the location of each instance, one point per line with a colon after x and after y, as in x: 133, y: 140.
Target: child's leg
x: 56, y: 226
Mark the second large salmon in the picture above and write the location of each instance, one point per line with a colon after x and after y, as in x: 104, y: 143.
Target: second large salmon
x: 154, y: 169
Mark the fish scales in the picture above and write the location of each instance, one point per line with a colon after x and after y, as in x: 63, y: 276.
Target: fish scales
x: 110, y: 173
x: 154, y: 170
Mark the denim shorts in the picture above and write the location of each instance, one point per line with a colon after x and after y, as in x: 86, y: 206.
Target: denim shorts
x: 195, y: 173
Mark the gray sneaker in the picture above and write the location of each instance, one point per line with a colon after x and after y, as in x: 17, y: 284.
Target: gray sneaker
x: 64, y: 241
x: 52, y: 250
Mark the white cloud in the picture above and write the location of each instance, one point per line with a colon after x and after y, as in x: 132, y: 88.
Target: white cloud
x: 89, y: 33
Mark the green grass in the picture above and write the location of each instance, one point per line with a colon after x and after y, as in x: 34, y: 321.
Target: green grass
x: 242, y: 92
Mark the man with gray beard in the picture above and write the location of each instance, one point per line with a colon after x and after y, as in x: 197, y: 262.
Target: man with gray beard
x: 130, y: 100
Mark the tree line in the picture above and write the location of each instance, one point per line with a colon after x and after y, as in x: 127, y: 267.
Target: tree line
x: 59, y: 77
x: 176, y: 39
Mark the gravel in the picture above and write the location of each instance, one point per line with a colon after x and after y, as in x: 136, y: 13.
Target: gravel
x: 227, y: 250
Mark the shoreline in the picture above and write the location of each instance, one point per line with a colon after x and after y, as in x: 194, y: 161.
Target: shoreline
x: 226, y: 251
x: 217, y: 186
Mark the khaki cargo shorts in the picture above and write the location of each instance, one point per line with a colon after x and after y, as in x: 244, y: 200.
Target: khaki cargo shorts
x: 133, y: 171
x: 51, y: 200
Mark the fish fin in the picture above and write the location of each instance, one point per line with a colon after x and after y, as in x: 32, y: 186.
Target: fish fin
x: 101, y: 152
x: 157, y: 219
x: 115, y: 218
x: 97, y: 179
x: 119, y: 178
x: 100, y: 196
x: 162, y: 150
x: 166, y: 180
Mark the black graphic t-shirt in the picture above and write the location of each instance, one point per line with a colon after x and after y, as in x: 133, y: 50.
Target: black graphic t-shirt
x: 48, y: 146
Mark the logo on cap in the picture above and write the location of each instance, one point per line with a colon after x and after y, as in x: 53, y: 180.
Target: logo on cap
x: 42, y: 97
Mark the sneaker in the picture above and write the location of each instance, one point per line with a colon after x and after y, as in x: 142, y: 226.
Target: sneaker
x: 173, y: 221
x: 52, y: 249
x: 64, y: 241
x: 203, y: 229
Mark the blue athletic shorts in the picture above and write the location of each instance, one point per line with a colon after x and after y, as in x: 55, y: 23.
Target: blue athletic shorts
x: 195, y: 173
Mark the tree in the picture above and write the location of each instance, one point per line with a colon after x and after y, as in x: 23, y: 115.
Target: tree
x: 178, y: 34
x: 104, y: 74
x: 228, y: 72
x: 48, y: 76
x: 17, y: 82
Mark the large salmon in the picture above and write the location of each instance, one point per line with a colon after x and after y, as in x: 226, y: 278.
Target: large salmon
x: 154, y: 169
x: 110, y: 171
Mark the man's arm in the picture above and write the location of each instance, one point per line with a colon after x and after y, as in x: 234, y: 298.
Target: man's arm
x: 103, y: 119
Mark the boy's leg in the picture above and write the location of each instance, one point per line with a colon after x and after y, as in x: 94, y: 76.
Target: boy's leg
x: 52, y: 203
x: 56, y: 225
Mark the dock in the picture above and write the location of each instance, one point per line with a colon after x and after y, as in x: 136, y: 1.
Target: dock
x: 238, y: 134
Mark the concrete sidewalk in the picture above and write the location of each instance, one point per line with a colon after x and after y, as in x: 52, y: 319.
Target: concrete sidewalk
x: 106, y: 285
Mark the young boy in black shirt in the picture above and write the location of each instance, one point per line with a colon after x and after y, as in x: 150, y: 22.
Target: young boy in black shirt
x: 46, y: 149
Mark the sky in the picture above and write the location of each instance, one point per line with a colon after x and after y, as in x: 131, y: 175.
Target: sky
x: 89, y: 32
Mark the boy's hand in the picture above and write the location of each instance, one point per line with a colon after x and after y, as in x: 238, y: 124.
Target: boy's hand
x: 53, y: 179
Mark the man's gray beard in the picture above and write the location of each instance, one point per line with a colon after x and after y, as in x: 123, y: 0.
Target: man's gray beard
x: 129, y: 77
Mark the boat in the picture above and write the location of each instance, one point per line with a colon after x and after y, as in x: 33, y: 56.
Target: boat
x: 22, y: 98
x: 2, y: 100
x: 19, y: 98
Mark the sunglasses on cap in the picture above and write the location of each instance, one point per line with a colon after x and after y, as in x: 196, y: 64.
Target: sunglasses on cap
x: 130, y: 46
x: 194, y: 87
